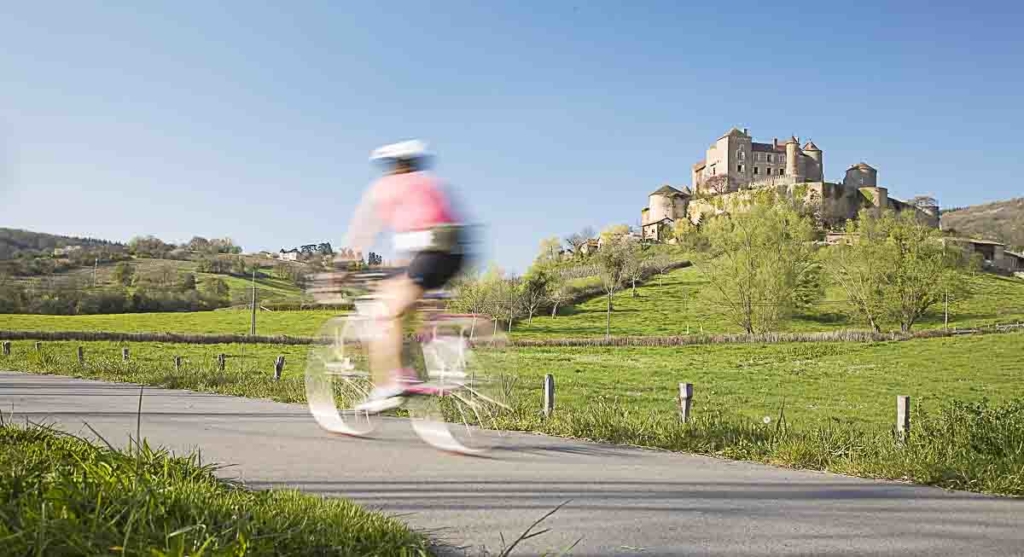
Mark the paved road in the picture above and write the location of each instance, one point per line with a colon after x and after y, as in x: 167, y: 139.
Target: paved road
x: 623, y: 501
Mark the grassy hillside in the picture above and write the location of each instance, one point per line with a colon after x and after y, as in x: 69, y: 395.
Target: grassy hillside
x: 267, y: 287
x: 14, y: 241
x: 671, y: 305
x: 1002, y: 221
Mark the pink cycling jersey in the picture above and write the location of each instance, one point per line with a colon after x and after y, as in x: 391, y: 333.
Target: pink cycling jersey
x: 411, y: 201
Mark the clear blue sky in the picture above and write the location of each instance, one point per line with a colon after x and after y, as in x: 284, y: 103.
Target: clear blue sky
x: 255, y: 122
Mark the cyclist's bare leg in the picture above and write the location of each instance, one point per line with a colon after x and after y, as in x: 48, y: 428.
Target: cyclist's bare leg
x: 400, y: 294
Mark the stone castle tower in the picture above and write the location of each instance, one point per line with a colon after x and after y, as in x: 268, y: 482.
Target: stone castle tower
x: 735, y: 161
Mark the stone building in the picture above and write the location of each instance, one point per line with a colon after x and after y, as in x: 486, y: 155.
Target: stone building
x: 736, y: 164
x: 735, y: 161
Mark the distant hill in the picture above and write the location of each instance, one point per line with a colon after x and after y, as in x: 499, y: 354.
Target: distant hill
x: 14, y: 241
x: 1002, y: 221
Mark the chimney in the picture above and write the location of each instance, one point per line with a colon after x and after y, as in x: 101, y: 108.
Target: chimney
x: 775, y: 143
x: 745, y: 131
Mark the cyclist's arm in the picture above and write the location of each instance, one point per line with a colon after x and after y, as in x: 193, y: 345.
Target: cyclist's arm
x: 366, y: 222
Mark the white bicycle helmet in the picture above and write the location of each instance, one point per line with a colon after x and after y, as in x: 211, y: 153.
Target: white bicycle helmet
x: 413, y: 149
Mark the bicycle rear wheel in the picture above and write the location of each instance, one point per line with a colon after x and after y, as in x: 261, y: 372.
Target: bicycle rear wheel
x: 467, y: 415
x: 338, y: 376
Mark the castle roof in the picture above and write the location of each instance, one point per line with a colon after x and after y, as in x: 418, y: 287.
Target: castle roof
x: 811, y: 146
x: 668, y: 191
x: 792, y: 139
x: 766, y: 147
x: 734, y: 131
x: 699, y: 165
x: 863, y: 165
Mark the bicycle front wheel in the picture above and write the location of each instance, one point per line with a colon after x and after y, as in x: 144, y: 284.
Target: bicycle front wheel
x: 338, y: 376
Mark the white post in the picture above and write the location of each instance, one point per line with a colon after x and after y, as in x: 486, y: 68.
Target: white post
x: 549, y: 394
x: 278, y: 367
x: 902, y: 416
x: 685, y: 401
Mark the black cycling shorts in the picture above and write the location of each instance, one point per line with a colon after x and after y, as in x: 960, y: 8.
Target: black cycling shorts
x: 433, y: 269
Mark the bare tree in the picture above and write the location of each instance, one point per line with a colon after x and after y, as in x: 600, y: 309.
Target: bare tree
x: 715, y: 185
x: 661, y: 264
x: 613, y: 259
x: 577, y: 240
x: 559, y: 292
x: 637, y: 263
x: 534, y: 292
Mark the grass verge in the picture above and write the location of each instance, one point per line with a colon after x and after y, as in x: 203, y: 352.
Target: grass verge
x: 61, y: 495
x: 830, y: 406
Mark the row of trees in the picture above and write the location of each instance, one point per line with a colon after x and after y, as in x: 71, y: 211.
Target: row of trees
x: 553, y: 282
x: 763, y: 264
x: 67, y: 296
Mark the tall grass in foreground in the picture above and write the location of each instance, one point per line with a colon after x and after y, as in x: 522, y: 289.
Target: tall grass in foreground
x: 60, y: 495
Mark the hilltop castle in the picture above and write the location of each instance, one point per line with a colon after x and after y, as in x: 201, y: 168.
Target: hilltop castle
x: 735, y: 163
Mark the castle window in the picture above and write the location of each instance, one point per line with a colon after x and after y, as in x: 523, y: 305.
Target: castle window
x: 755, y: 170
x: 739, y: 168
x: 769, y: 157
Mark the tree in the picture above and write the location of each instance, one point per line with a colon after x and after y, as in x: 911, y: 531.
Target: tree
x: 124, y: 273
x: 614, y: 233
x: 577, y: 240
x: 549, y: 250
x: 325, y: 249
x: 715, y: 185
x: 534, y: 292
x: 755, y: 262
x: 559, y: 292
x: 637, y: 263
x: 198, y: 244
x: 216, y: 288
x: 506, y: 299
x: 661, y: 263
x: 895, y: 268
x: 149, y: 246
x: 688, y: 236
x: 187, y: 282
x: 613, y: 259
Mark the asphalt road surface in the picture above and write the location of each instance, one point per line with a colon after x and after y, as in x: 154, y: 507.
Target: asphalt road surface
x: 622, y: 501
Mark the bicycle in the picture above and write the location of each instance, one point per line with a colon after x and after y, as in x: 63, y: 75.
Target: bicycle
x: 467, y: 404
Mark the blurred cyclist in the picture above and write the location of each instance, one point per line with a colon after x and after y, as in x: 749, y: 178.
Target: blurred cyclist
x: 410, y: 202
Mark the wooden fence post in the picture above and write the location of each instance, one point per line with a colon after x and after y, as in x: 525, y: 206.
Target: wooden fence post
x: 177, y: 363
x: 549, y: 394
x: 7, y: 348
x: 125, y: 355
x: 81, y: 355
x: 685, y: 401
x: 39, y: 346
x: 278, y: 367
x: 220, y: 361
x: 902, y: 416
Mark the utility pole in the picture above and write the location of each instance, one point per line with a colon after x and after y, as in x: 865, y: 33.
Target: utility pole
x: 252, y: 325
x: 95, y: 264
x: 945, y: 310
